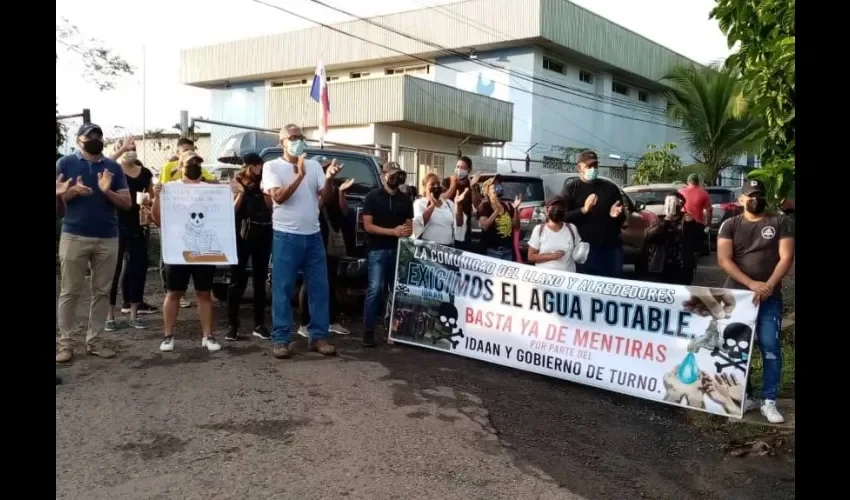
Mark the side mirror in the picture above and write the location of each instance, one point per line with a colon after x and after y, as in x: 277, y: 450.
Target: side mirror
x: 639, y: 207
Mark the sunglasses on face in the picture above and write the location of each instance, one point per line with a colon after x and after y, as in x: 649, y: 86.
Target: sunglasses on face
x: 299, y: 137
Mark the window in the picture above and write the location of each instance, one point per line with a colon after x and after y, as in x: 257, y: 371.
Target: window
x: 289, y: 83
x: 553, y: 65
x: 585, y: 76
x: 619, y: 88
x: 332, y: 78
x: 359, y: 75
x: 408, y: 70
x: 643, y: 96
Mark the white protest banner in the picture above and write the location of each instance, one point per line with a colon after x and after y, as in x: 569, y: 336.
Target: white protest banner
x: 198, y: 224
x: 688, y: 346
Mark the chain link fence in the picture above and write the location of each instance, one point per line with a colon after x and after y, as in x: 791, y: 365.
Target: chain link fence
x: 66, y: 128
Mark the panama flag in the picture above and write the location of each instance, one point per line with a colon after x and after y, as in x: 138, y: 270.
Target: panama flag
x: 319, y: 93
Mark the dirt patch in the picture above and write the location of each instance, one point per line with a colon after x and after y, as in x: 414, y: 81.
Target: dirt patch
x: 154, y: 446
x: 279, y: 429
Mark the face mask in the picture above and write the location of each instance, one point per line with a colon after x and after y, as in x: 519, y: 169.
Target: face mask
x: 130, y: 157
x: 756, y: 205
x: 192, y: 172
x: 93, y: 146
x: 461, y: 173
x: 499, y: 190
x: 556, y: 214
x: 436, y: 191
x: 591, y: 174
x: 296, y: 148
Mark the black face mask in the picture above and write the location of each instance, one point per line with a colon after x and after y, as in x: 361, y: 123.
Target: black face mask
x: 192, y: 172
x: 436, y: 191
x: 556, y: 214
x: 756, y: 205
x: 93, y: 146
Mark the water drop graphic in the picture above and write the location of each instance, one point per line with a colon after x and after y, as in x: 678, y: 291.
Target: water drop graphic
x: 688, y: 371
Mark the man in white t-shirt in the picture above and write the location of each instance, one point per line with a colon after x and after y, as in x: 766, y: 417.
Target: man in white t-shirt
x: 295, y: 185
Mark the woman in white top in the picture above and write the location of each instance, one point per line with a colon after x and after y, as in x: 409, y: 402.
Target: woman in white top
x: 556, y: 244
x: 436, y: 219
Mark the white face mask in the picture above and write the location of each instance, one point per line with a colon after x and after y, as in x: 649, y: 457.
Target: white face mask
x: 130, y: 157
x: 461, y: 173
x: 295, y: 148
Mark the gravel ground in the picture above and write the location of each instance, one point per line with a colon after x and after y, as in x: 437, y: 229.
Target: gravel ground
x: 394, y: 423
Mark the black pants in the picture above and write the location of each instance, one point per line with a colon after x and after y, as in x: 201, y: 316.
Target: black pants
x: 333, y: 306
x: 258, y: 246
x: 134, y: 246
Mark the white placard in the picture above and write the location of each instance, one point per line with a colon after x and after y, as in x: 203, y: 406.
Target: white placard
x: 198, y: 224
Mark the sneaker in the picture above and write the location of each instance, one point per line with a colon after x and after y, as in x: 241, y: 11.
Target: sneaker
x: 100, y: 351
x: 232, y: 334
x: 283, y: 351
x: 769, y: 411
x: 339, y: 329
x: 167, y: 344
x: 185, y: 304
x: 138, y: 324
x: 368, y: 339
x: 303, y: 332
x: 111, y: 326
x: 211, y: 344
x: 65, y: 355
x: 145, y: 308
x: 750, y: 405
x: 262, y: 333
x: 125, y: 309
x: 322, y: 347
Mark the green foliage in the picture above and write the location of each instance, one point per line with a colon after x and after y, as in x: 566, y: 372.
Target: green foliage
x: 718, y: 126
x: 101, y: 66
x: 765, y: 33
x: 779, y: 178
x: 658, y: 165
x: 695, y: 168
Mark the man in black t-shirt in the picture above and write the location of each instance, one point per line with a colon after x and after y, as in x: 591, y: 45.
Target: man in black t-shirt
x: 595, y: 206
x: 756, y: 250
x: 387, y: 216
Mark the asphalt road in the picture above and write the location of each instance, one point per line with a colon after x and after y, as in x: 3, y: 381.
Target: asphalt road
x: 392, y: 423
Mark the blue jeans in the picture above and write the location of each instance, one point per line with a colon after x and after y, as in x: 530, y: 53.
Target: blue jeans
x: 292, y: 253
x: 502, y: 253
x: 768, y: 326
x: 606, y: 262
x: 381, y: 275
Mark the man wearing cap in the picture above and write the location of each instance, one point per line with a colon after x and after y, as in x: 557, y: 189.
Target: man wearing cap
x: 698, y: 206
x: 595, y: 206
x: 89, y: 237
x: 756, y: 249
x: 387, y: 216
x: 169, y: 171
x: 295, y: 185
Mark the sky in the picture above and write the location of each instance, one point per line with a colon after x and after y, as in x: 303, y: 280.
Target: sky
x: 150, y: 34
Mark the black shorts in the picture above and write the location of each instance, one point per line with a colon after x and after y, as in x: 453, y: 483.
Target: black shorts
x: 177, y: 277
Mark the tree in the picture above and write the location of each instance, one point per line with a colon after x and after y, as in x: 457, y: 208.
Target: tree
x: 658, y: 165
x: 764, y: 31
x: 779, y: 178
x: 717, y: 124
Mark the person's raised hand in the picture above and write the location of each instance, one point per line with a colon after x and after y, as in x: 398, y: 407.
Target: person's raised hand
x: 62, y: 186
x: 517, y: 201
x: 589, y: 203
x: 345, y: 186
x: 128, y: 144
x: 616, y: 209
x: 715, y: 302
x: 80, y: 188
x: 333, y: 169
x: 462, y: 195
x: 473, y: 180
x: 104, y: 180
x: 299, y: 165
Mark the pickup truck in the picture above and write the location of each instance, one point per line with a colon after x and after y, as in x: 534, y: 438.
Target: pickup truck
x: 365, y: 169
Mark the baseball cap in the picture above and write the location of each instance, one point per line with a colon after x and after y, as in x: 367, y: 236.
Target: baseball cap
x: 751, y: 187
x: 588, y: 158
x: 693, y: 178
x: 188, y: 155
x: 390, y: 168
x: 87, y: 128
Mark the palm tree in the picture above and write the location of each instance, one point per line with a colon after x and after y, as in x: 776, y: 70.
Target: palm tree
x: 709, y: 102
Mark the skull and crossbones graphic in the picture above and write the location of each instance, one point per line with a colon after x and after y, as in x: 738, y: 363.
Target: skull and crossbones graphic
x: 449, y: 320
x: 197, y: 237
x: 734, y: 349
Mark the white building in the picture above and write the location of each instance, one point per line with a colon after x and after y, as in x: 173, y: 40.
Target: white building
x: 537, y: 75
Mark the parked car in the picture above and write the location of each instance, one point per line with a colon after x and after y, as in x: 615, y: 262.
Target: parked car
x: 652, y: 195
x: 633, y: 235
x: 366, y: 171
x: 724, y: 204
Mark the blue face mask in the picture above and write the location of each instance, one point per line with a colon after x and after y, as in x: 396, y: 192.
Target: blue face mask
x: 296, y: 148
x: 499, y: 190
x: 591, y: 174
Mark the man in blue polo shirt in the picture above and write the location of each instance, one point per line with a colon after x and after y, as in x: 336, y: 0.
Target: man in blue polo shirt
x: 89, y: 236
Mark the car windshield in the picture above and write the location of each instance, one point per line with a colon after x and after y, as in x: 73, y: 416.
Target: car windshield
x: 530, y: 188
x: 650, y: 196
x: 721, y: 196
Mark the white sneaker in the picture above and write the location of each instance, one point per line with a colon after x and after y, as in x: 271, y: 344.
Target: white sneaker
x: 768, y: 409
x: 750, y: 405
x: 303, y: 332
x: 167, y: 344
x: 211, y: 344
x: 184, y: 303
x: 339, y: 329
